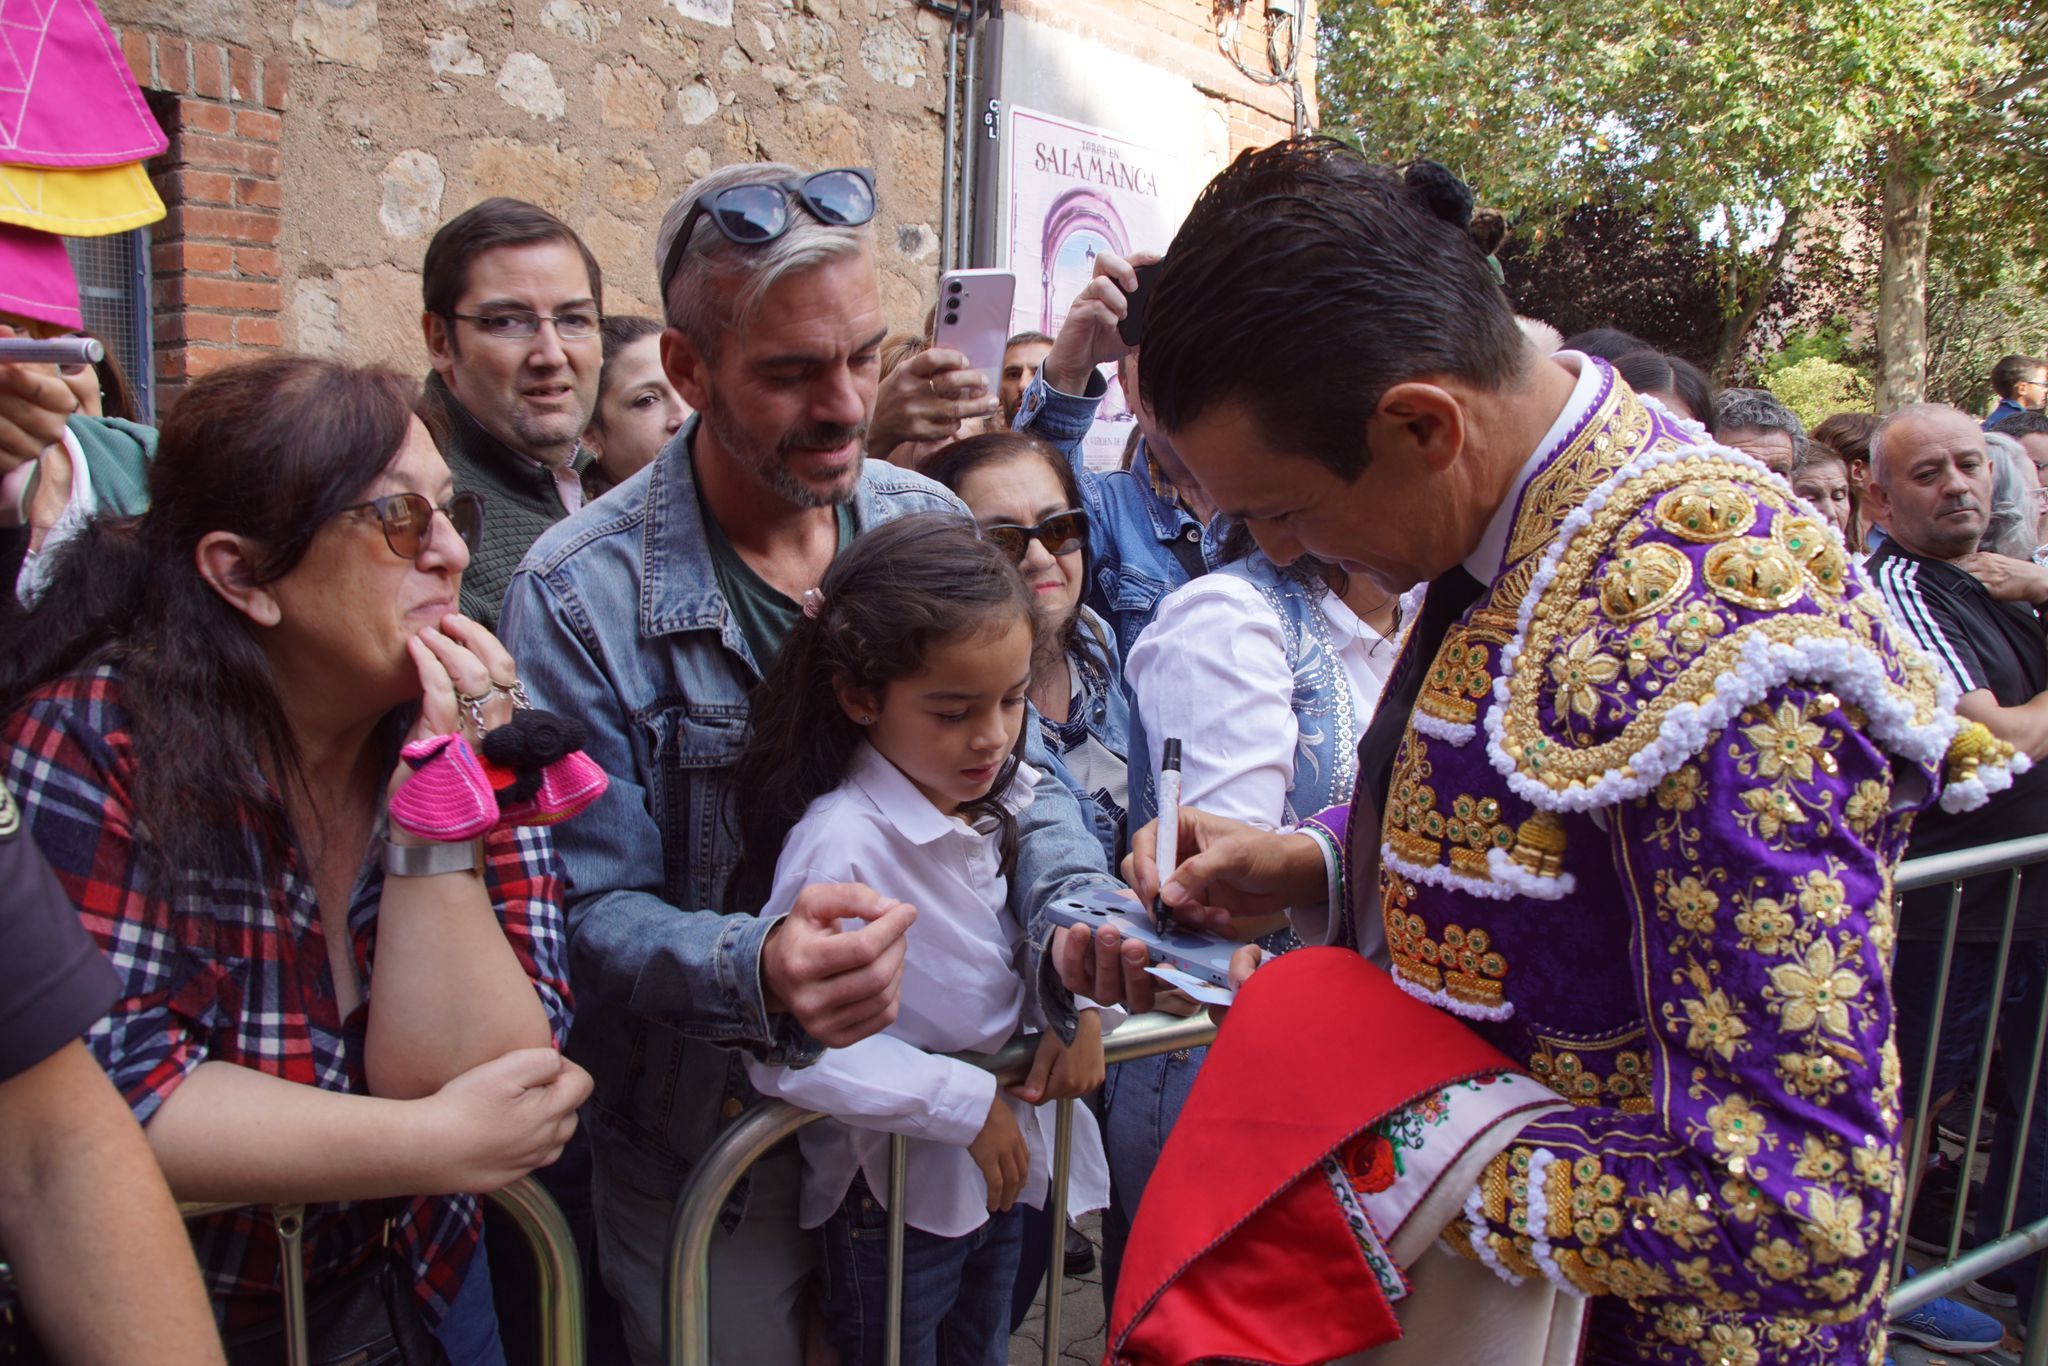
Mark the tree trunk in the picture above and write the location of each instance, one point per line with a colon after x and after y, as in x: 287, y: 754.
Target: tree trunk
x: 1748, y: 288
x: 1902, y: 286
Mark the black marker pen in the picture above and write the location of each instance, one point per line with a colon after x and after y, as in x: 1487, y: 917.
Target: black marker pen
x: 1169, y: 824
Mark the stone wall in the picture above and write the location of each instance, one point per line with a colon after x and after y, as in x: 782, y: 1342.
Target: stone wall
x: 397, y: 114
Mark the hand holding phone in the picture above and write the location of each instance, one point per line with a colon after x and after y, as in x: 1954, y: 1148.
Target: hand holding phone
x: 974, y: 317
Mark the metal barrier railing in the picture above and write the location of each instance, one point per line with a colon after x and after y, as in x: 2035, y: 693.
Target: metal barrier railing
x: 687, y: 1325
x: 2013, y: 858
x: 686, y: 1330
x: 532, y: 1211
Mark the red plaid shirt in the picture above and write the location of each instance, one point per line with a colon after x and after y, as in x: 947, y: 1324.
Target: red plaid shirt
x: 236, y: 970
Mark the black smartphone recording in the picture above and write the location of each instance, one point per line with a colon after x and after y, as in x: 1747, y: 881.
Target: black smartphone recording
x: 1132, y: 328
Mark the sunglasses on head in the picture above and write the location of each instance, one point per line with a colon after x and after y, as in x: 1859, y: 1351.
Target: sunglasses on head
x: 759, y: 211
x: 1060, y: 534
x: 408, y: 520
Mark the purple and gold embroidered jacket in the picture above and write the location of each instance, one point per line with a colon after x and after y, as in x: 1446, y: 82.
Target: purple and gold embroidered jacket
x: 1641, y: 831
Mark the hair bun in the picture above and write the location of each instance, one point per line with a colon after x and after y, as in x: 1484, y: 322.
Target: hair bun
x: 1448, y: 197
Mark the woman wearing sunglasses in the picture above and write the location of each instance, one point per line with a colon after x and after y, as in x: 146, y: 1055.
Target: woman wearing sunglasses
x: 203, y: 722
x: 1025, y: 499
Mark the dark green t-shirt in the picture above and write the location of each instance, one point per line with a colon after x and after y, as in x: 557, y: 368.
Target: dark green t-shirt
x: 764, y: 613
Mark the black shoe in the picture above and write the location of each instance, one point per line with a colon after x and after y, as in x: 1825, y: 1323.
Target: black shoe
x: 1080, y: 1253
x: 1996, y: 1288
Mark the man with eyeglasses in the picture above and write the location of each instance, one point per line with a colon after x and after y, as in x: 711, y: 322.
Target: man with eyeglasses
x: 650, y: 616
x: 513, y: 302
x: 2021, y: 383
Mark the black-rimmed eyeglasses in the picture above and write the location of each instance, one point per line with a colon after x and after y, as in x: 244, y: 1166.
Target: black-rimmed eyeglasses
x: 408, y: 520
x: 759, y: 211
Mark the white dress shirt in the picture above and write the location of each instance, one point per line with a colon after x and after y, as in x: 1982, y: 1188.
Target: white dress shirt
x: 963, y: 990
x: 1212, y: 670
x: 1488, y: 557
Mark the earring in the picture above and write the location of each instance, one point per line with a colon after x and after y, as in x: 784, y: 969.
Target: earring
x: 866, y: 720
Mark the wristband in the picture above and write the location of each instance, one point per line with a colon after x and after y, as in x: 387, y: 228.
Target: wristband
x: 431, y: 860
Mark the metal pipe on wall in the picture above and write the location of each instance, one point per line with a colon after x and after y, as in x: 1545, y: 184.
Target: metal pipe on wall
x: 971, y: 131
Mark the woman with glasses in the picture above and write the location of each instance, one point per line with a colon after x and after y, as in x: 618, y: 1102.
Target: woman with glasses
x: 1025, y: 499
x: 203, y: 724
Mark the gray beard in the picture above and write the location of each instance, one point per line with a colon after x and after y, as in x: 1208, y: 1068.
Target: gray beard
x: 772, y: 469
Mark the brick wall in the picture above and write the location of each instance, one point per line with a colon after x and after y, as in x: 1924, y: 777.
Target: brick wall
x: 217, y: 280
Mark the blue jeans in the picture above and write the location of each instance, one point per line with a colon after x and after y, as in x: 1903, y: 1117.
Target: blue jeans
x: 469, y: 1330
x: 956, y: 1291
x: 1971, y: 986
x: 1141, y: 1099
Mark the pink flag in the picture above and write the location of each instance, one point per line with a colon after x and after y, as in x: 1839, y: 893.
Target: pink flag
x: 67, y: 98
x: 35, y: 277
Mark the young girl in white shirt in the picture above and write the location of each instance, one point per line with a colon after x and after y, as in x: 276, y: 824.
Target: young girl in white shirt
x: 885, y: 751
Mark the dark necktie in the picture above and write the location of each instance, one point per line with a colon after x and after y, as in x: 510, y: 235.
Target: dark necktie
x: 1450, y: 593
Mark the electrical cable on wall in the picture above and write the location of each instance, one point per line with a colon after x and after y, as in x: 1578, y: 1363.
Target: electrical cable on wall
x: 1284, y: 23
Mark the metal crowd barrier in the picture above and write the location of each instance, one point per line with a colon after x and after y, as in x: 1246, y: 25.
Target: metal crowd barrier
x: 687, y: 1326
x: 532, y: 1211
x: 1957, y: 1269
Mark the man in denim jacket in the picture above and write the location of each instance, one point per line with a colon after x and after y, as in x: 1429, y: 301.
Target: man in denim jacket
x: 1146, y: 524
x: 650, y: 616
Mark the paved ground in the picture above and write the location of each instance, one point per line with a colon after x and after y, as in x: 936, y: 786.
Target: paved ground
x: 1081, y: 1318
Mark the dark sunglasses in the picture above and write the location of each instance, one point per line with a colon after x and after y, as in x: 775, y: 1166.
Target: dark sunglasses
x: 408, y: 520
x: 1060, y: 534
x: 757, y: 212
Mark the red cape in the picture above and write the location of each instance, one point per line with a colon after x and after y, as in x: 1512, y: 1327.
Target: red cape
x: 1239, y: 1249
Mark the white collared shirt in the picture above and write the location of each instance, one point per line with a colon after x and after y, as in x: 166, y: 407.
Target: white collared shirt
x: 1487, y: 558
x: 963, y: 989
x: 1212, y: 670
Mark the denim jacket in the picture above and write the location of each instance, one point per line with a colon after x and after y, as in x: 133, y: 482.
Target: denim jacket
x: 615, y: 618
x: 1105, y: 713
x: 1133, y: 533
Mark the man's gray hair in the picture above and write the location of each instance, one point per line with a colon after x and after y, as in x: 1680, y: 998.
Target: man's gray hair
x: 1758, y: 410
x: 694, y: 305
x: 2009, y: 530
x: 1912, y: 412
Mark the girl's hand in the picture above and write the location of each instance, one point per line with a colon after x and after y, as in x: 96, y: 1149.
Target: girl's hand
x: 501, y: 1119
x: 459, y: 659
x: 1000, y: 1153
x: 1060, y: 1072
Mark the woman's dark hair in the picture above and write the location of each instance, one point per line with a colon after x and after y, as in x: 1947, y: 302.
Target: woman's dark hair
x: 619, y: 333
x: 896, y: 592
x: 1307, y: 281
x: 1694, y: 387
x: 1608, y: 343
x: 951, y: 465
x: 1657, y: 372
x: 1848, y: 433
x: 117, y: 399
x: 271, y: 450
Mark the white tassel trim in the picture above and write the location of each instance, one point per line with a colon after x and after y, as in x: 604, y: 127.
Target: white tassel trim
x: 1444, y: 1001
x: 1452, y: 733
x: 1439, y: 875
x: 1855, y: 671
x: 1521, y: 882
x: 1970, y: 793
x: 1475, y: 1215
x: 1540, y: 1163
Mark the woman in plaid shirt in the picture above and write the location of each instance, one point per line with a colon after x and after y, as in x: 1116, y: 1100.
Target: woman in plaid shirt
x: 203, y: 718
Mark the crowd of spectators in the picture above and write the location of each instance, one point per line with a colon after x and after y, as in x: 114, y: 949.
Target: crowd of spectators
x: 859, y: 638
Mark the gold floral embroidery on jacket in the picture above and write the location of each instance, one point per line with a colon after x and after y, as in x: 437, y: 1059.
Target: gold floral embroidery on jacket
x: 1600, y: 1073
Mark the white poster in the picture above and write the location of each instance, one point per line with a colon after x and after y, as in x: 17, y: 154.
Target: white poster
x: 1076, y: 191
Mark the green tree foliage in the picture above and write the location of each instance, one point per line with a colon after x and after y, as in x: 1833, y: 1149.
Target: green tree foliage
x: 1738, y: 118
x: 1815, y: 387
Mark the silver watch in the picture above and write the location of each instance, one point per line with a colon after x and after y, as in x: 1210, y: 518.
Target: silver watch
x: 429, y: 860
